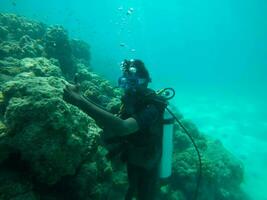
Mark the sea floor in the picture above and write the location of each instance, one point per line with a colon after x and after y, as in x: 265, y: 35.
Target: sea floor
x: 240, y: 122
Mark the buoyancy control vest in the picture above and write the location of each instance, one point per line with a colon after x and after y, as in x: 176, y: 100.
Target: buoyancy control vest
x: 153, y: 147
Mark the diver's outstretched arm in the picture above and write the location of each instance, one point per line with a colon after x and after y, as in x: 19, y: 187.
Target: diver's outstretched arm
x: 108, y: 120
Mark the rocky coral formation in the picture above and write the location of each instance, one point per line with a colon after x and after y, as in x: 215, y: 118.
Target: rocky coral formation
x: 22, y: 38
x: 222, y: 173
x: 57, y: 46
x: 51, y: 140
x: 10, y: 67
x: 16, y: 27
x: 81, y: 51
x: 50, y: 150
x: 47, y: 144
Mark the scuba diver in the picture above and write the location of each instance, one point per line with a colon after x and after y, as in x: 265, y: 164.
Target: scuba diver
x: 137, y: 127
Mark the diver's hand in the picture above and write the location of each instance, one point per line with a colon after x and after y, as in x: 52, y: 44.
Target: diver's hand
x: 72, y: 94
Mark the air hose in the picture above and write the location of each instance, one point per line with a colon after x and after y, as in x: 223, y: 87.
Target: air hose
x: 168, y: 95
x: 197, y: 150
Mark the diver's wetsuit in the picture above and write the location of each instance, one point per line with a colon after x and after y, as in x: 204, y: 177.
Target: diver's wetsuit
x: 143, y: 182
x: 143, y: 153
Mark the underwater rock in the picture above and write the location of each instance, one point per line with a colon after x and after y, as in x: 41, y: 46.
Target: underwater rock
x: 25, y: 47
x: 91, y: 91
x: 80, y: 50
x: 3, y: 150
x: 57, y: 46
x: 181, y: 141
x: 191, y: 127
x: 18, y: 26
x: 224, y: 161
x: 2, y: 127
x: 2, y: 105
x: 94, y: 178
x: 22, y: 38
x: 10, y: 67
x: 1, y: 97
x: 83, y: 73
x: 220, y: 172
x: 10, y: 49
x: 15, y: 186
x: 31, y: 48
x: 40, y: 67
x: 3, y: 33
x: 51, y: 136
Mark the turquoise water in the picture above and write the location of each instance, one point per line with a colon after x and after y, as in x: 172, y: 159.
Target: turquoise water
x: 214, y: 53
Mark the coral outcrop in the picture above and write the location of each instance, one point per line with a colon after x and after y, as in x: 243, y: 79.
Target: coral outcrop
x: 222, y: 173
x: 17, y: 27
x: 22, y: 38
x: 50, y: 150
x: 57, y: 46
x: 80, y: 50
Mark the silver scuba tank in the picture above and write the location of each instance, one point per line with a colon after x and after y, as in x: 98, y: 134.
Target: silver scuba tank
x: 165, y: 167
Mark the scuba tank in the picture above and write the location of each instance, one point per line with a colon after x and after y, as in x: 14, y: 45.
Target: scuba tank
x: 169, y: 119
x: 165, y: 167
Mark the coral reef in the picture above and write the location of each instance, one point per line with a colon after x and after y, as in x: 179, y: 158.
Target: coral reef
x: 17, y: 27
x: 10, y: 67
x: 50, y: 139
x: 50, y: 150
x: 22, y: 38
x: 57, y: 46
x: 81, y: 51
x: 43, y: 129
x: 3, y: 33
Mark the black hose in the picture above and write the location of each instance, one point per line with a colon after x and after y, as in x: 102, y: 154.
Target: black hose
x: 173, y: 93
x: 197, y: 150
x: 166, y: 90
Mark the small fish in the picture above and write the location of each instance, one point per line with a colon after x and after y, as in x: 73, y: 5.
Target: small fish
x: 133, y: 50
x: 122, y: 44
x: 120, y: 8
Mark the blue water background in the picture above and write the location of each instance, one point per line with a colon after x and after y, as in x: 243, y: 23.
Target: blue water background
x: 214, y: 53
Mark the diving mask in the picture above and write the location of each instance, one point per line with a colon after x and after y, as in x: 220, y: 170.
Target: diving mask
x: 130, y: 78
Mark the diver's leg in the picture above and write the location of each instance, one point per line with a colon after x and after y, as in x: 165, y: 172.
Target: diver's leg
x: 148, y: 185
x: 132, y: 172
